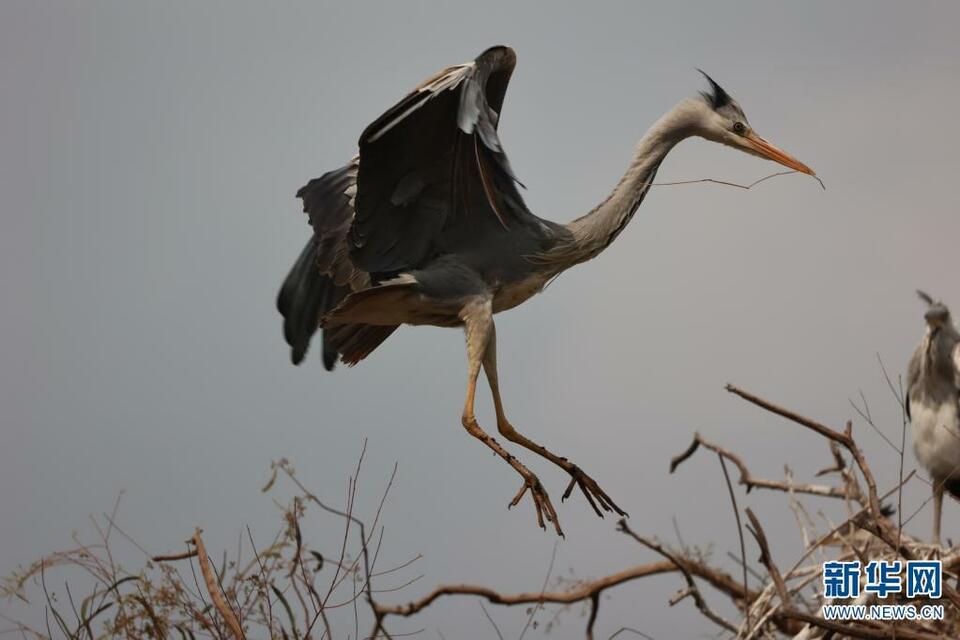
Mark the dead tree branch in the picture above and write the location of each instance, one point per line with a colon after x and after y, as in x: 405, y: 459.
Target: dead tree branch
x: 274, y: 593
x: 750, y: 481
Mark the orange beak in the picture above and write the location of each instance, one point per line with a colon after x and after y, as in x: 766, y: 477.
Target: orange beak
x: 761, y: 147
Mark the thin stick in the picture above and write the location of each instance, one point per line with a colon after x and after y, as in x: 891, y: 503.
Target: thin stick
x: 743, y: 545
x: 192, y: 553
x: 766, y: 558
x: 629, y: 630
x: 747, y: 479
x: 492, y: 623
x: 734, y: 184
x: 546, y: 580
x: 691, y: 589
x: 594, y: 610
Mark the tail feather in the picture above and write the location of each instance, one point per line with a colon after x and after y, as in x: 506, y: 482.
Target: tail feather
x: 354, y: 342
x: 305, y: 296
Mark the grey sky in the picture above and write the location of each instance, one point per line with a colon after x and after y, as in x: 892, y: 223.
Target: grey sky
x: 148, y: 160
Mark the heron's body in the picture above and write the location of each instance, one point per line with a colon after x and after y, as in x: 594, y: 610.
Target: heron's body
x: 510, y: 294
x: 933, y: 405
x: 426, y: 226
x: 935, y: 427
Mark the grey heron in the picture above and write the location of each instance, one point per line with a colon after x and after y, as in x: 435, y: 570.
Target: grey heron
x: 933, y: 393
x: 426, y: 226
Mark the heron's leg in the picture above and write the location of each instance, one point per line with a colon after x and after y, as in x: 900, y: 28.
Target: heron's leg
x: 588, y: 485
x: 937, y: 510
x: 477, y: 317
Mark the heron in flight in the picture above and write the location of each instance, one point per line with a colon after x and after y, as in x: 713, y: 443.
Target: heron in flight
x: 933, y: 394
x: 426, y: 226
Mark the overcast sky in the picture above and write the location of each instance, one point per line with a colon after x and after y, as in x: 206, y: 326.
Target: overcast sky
x: 148, y: 159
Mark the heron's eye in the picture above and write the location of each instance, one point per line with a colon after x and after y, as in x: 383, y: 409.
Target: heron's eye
x: 739, y: 128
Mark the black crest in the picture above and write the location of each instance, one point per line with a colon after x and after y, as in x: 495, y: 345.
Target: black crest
x: 717, y: 97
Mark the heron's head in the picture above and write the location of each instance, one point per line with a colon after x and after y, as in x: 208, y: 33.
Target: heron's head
x: 721, y: 119
x: 937, y: 314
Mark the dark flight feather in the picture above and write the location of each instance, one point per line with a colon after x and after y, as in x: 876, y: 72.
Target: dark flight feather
x: 323, y: 275
x: 300, y: 301
x: 432, y: 175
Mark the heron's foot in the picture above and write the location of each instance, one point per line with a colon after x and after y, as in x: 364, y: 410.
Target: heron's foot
x: 541, y: 502
x: 594, y: 494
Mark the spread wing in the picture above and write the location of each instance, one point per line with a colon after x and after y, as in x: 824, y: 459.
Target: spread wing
x: 328, y: 201
x: 323, y: 275
x: 432, y: 175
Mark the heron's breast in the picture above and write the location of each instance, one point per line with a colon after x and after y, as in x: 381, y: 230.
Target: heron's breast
x: 936, y: 437
x: 511, y: 294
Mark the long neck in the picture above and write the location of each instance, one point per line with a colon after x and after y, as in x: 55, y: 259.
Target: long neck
x: 595, y: 231
x: 937, y: 359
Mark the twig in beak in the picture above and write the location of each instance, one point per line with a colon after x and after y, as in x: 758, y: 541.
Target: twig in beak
x: 734, y: 184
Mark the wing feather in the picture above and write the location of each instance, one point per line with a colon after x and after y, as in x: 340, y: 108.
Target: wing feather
x: 432, y: 174
x: 431, y: 177
x: 328, y: 201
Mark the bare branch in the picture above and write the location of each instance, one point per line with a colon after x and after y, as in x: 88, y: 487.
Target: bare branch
x: 691, y: 585
x: 192, y: 553
x: 766, y: 559
x: 747, y: 479
x: 743, y: 546
x: 716, y: 578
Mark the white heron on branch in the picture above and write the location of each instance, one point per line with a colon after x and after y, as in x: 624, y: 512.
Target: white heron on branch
x: 933, y: 393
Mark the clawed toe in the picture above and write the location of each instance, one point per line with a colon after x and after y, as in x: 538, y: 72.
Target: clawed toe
x: 541, y: 502
x: 596, y: 496
x: 592, y: 491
